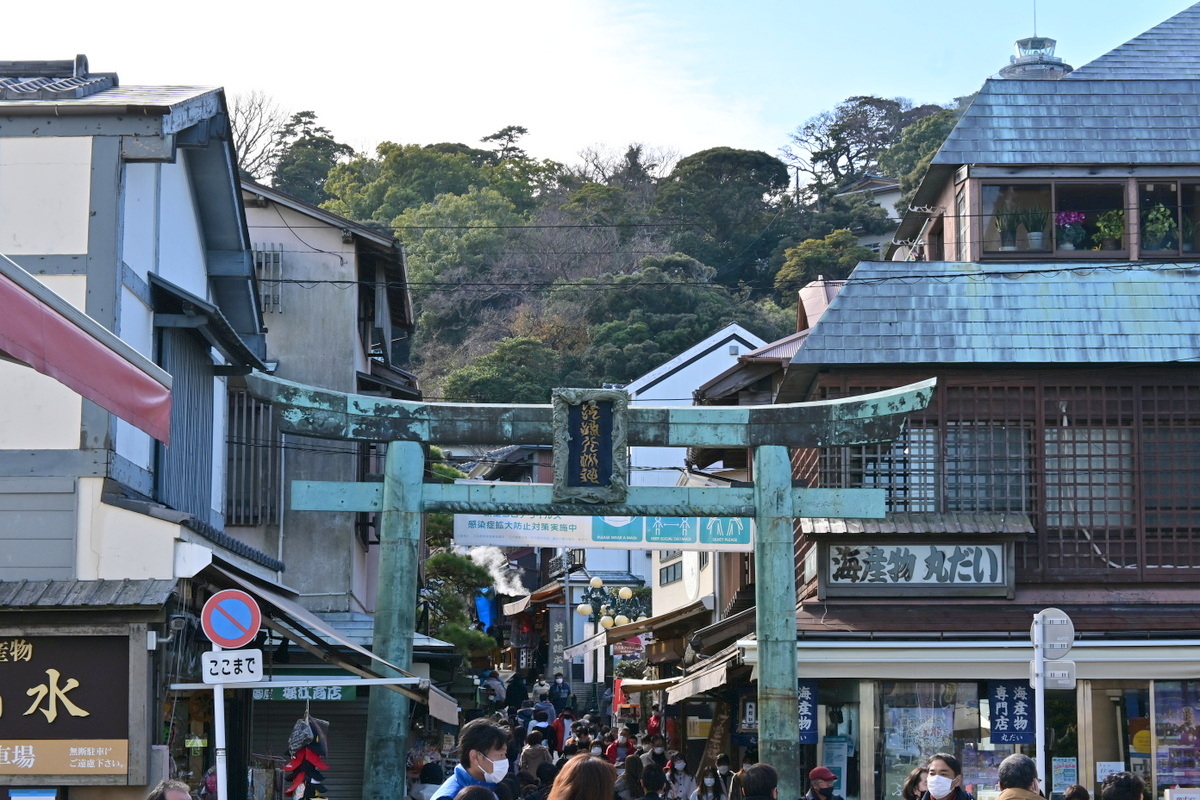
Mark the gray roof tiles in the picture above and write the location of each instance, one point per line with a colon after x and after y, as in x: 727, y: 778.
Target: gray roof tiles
x: 954, y: 313
x: 1169, y: 50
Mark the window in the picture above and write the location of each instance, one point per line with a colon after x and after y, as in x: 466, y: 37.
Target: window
x: 1171, y: 477
x: 961, y: 232
x: 1168, y: 213
x: 1072, y: 219
x: 670, y: 573
x: 253, y: 451
x: 987, y: 468
x: 669, y: 555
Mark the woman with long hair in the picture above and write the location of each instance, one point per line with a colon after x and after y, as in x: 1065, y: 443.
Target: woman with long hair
x: 914, y: 785
x: 584, y: 777
x: 707, y: 790
x: 681, y: 785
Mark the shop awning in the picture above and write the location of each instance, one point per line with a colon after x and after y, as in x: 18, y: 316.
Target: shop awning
x: 662, y: 623
x: 42, y: 330
x: 323, y: 636
x: 538, y: 596
x: 709, y: 677
x: 631, y: 685
x: 729, y: 630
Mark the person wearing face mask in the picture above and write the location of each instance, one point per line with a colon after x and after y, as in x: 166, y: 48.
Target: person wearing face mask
x: 944, y: 779
x: 1018, y: 778
x: 724, y: 785
x: 560, y: 692
x: 621, y: 747
x: 707, y: 790
x: 680, y: 782
x: 656, y: 758
x: 483, y: 746
x: 820, y: 784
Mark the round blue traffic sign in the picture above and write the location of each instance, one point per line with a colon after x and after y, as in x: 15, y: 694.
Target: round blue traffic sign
x: 231, y: 618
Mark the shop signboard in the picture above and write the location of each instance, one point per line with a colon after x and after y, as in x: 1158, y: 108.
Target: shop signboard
x: 959, y: 568
x: 708, y: 534
x: 806, y: 711
x: 558, y: 642
x: 1011, y: 704
x: 64, y: 705
x: 323, y: 693
x: 590, y: 451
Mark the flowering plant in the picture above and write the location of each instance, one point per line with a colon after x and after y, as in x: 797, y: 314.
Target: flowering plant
x: 1064, y: 218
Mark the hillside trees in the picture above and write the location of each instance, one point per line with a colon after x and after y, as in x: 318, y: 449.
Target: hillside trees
x: 725, y: 202
x: 307, y: 154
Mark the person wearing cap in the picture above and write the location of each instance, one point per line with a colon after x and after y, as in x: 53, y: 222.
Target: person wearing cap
x: 820, y: 784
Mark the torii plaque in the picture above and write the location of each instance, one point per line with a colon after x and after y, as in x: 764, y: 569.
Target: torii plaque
x: 773, y: 502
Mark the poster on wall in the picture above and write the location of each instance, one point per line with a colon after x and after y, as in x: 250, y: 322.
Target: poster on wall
x: 1175, y: 711
x: 1064, y: 772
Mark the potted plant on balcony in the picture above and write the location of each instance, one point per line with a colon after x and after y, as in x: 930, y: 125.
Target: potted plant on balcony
x: 1110, y: 228
x: 1158, y: 228
x: 1070, y: 229
x: 1007, y: 220
x: 1036, y: 219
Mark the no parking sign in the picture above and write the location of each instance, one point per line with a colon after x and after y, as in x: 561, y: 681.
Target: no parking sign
x: 231, y: 618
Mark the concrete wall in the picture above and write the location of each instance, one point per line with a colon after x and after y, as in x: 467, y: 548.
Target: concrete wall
x: 181, y: 245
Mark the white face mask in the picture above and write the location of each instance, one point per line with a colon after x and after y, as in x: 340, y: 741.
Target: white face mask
x: 595, y: 751
x: 499, y: 770
x: 658, y: 751
x: 679, y: 765
x: 558, y: 680
x: 709, y: 781
x: 723, y: 770
x: 621, y: 740
x: 939, y: 785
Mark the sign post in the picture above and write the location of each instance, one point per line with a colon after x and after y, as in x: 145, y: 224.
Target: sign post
x: 1053, y: 633
x: 230, y: 618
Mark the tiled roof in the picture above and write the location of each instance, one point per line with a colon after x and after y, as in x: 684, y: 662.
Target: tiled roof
x: 1078, y: 122
x: 89, y: 594
x: 32, y: 84
x: 893, y: 312
x: 1169, y: 50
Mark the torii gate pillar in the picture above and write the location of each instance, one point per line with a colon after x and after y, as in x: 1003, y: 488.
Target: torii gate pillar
x: 769, y: 431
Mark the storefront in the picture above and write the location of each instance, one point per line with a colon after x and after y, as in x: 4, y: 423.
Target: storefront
x: 882, y: 707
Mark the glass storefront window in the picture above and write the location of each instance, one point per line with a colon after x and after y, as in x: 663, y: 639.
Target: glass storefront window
x: 1175, y: 727
x: 921, y: 718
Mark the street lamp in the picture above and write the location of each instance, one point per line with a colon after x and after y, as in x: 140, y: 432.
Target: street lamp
x: 606, y: 608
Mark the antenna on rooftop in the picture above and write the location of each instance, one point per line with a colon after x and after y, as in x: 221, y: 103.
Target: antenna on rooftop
x: 1035, y: 17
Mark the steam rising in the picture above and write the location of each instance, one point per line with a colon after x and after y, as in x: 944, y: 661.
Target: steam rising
x: 495, y: 562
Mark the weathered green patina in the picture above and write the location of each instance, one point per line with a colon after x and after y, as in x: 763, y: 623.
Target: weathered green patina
x: 774, y: 503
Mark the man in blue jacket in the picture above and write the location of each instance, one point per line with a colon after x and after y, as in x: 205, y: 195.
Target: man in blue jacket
x: 483, y: 758
x: 560, y: 693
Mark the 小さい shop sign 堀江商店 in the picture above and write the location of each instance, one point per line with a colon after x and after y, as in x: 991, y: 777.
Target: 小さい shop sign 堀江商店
x: 64, y: 705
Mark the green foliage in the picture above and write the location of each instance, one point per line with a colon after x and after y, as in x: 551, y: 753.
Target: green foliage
x: 506, y: 143
x: 630, y: 668
x: 451, y: 581
x: 725, y: 201
x: 834, y: 257
x: 638, y: 321
x: 308, y: 155
x: 838, y: 146
x: 401, y: 177
x: 909, y: 159
x: 439, y: 527
x: 518, y: 371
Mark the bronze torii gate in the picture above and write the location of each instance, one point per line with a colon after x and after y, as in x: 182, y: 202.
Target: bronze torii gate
x: 773, y: 502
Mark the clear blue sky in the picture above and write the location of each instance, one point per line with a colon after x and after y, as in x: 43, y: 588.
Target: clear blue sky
x: 680, y: 75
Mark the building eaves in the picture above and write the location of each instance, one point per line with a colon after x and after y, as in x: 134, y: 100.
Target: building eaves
x: 965, y: 313
x: 357, y: 229
x: 50, y: 594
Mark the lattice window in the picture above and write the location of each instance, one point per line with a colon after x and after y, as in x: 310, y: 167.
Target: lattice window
x: 268, y: 268
x: 254, y: 450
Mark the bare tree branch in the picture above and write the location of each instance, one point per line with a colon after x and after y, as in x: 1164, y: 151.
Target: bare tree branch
x: 257, y: 121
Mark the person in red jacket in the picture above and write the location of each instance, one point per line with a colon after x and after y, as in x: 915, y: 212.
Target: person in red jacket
x: 562, y: 728
x: 621, y: 748
x: 654, y: 725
